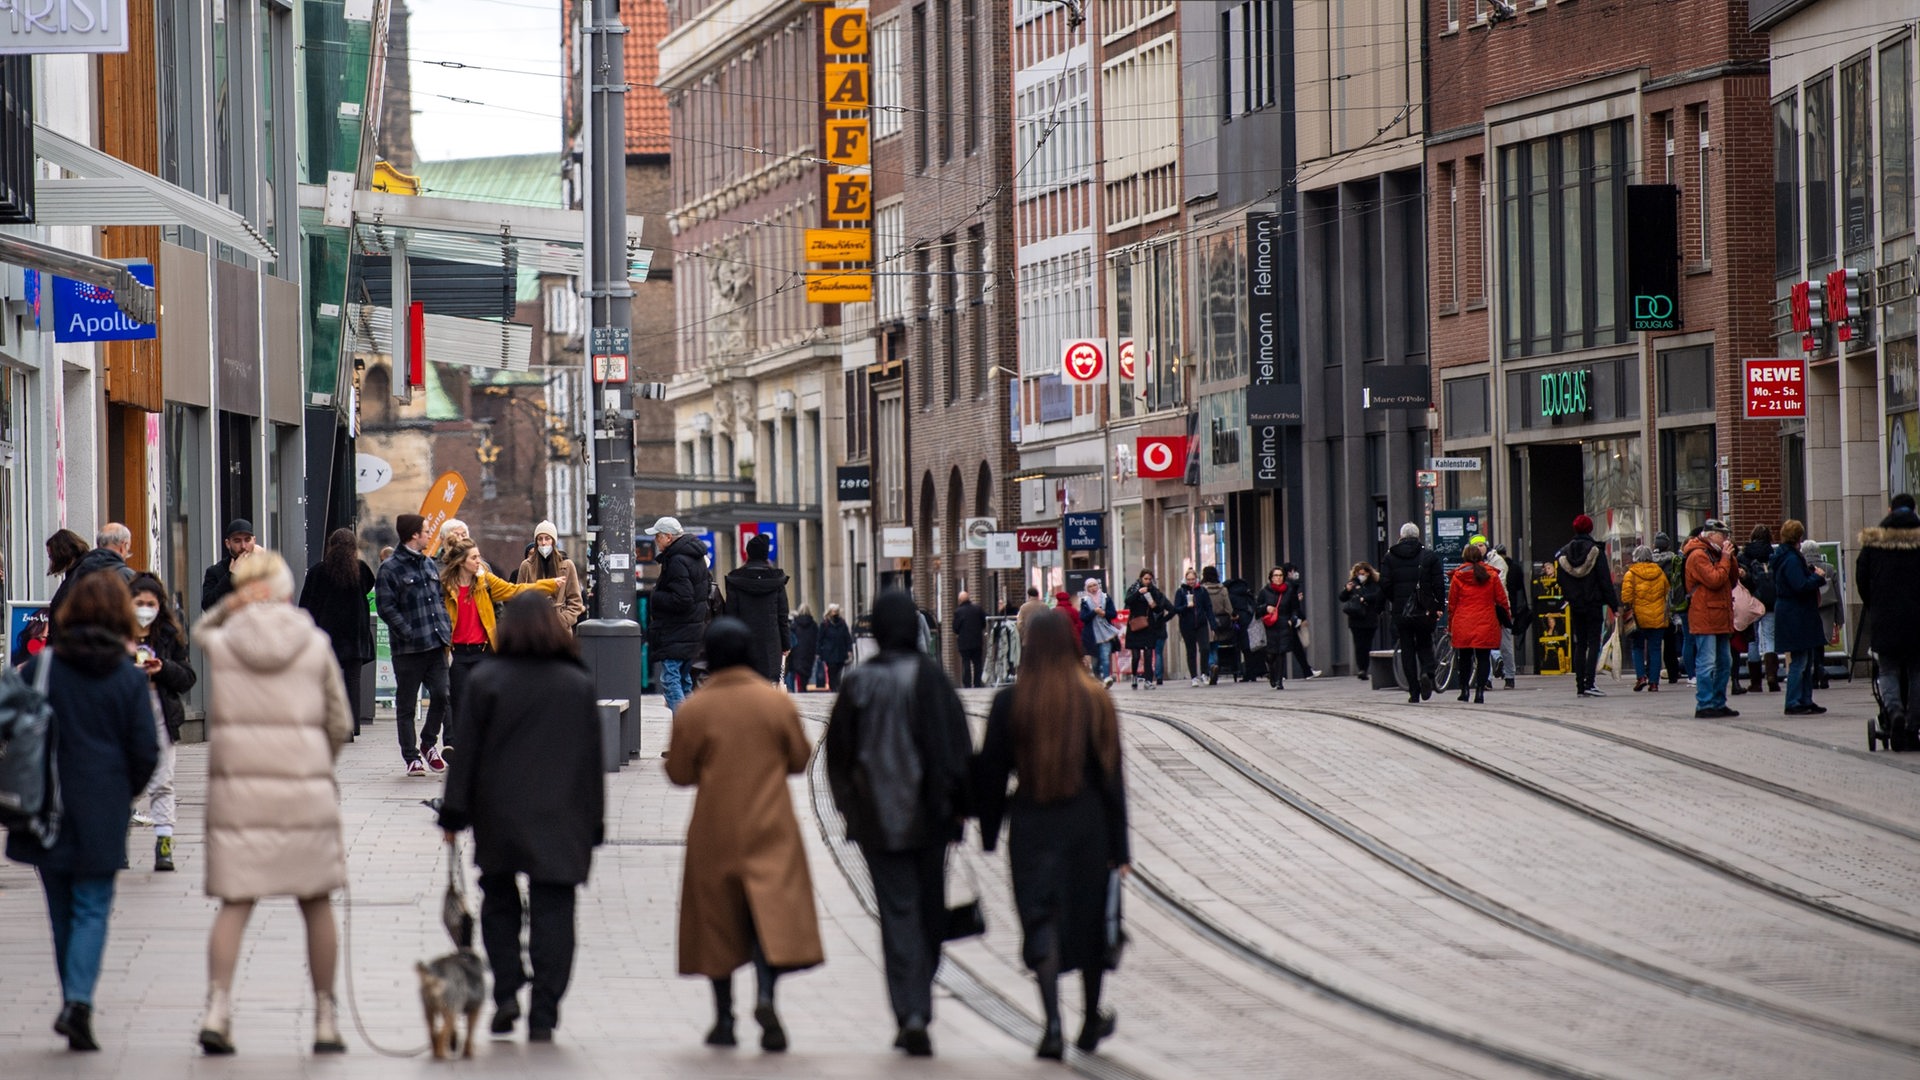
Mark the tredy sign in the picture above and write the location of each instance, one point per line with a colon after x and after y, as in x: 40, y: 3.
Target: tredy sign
x: 31, y: 27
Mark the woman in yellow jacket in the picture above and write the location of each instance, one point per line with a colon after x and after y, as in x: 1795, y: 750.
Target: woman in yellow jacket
x: 472, y: 592
x: 1643, y: 593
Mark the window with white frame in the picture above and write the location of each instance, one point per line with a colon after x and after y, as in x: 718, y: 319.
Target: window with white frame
x: 1053, y: 129
x: 888, y: 106
x: 891, y: 272
x: 1056, y: 303
x: 1142, y: 134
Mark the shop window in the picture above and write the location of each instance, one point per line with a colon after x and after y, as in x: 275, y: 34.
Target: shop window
x: 1786, y: 187
x: 1464, y: 407
x: 1561, y: 201
x: 1819, y: 162
x: 1686, y: 380
x: 1896, y: 138
x: 1686, y: 479
x: 1856, y: 148
x: 1470, y: 490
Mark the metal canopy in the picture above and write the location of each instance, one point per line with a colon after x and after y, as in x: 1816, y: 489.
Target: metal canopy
x: 112, y: 192
x: 478, y: 343
x: 728, y: 514
x: 470, y: 290
x: 717, y: 484
x: 426, y: 215
x: 129, y: 295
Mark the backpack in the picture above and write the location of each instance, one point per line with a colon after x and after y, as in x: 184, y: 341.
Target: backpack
x: 1677, y: 594
x: 29, y: 784
x: 716, y: 603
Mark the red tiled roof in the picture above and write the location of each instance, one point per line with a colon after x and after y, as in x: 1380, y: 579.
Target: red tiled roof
x: 647, y: 122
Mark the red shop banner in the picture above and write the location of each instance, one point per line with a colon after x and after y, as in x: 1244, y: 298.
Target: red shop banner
x: 1037, y: 539
x: 1774, y: 389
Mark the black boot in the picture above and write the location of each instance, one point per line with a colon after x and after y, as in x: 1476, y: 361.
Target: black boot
x: 76, y: 1023
x: 1753, y: 677
x: 722, y: 1032
x: 1773, y: 672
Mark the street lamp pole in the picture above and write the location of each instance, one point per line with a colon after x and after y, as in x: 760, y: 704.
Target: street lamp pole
x: 610, y: 511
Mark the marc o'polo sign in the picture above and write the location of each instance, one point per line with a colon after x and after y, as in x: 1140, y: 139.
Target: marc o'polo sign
x: 30, y: 27
x: 86, y: 312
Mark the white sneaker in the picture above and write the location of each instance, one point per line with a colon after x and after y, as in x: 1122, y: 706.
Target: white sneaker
x: 1197, y: 680
x: 1315, y: 675
x: 141, y: 819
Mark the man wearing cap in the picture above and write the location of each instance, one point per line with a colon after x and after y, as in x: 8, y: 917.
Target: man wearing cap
x: 408, y: 596
x: 218, y: 582
x: 1710, y: 572
x: 1586, y: 581
x: 545, y: 561
x: 680, y: 607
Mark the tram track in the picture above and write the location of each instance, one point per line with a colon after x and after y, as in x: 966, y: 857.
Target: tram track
x: 1489, y: 907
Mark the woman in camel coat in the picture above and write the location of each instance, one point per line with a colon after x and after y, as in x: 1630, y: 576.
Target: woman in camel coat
x: 276, y: 719
x: 745, y: 894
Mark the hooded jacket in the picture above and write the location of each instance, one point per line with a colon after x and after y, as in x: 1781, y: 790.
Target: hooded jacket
x: 677, y: 610
x: 1474, y: 622
x: 276, y: 718
x: 1644, y: 589
x: 757, y: 596
x: 1586, y: 578
x: 897, y: 742
x: 1672, y: 565
x: 1756, y: 563
x: 1412, y: 580
x: 1709, y: 581
x: 1796, y: 611
x: 1887, y: 573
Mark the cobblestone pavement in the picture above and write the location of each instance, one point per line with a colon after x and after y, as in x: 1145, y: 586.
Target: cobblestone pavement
x: 1320, y: 894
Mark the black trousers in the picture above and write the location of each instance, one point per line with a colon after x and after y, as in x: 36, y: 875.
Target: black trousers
x: 1584, y: 626
x: 350, y: 671
x: 1299, y: 651
x: 464, y: 661
x: 1415, y: 644
x: 970, y: 667
x: 1196, y: 646
x: 1362, y: 649
x: 411, y: 672
x: 910, y: 887
x: 1473, y: 669
x: 549, y: 920
x: 833, y: 675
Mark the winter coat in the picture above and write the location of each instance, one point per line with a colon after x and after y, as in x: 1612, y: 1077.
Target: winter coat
x: 1062, y: 851
x: 407, y: 593
x: 1220, y: 608
x: 1414, y: 584
x: 1887, y: 573
x: 1064, y: 603
x: 1585, y: 575
x: 897, y: 748
x: 215, y: 584
x: 528, y: 777
x: 970, y: 627
x: 1756, y: 571
x: 489, y: 592
x: 1473, y: 608
x: 175, y: 677
x: 108, y: 745
x: 757, y: 596
x: 738, y: 739
x: 1372, y: 601
x: 1709, y: 578
x: 91, y: 563
x: 341, y: 611
x: 1157, y: 615
x: 277, y: 716
x: 836, y: 641
x: 1195, y: 610
x: 1024, y: 619
x: 1643, y: 589
x: 1090, y: 637
x: 1280, y: 634
x: 1796, y: 611
x: 677, y: 610
x: 567, y: 601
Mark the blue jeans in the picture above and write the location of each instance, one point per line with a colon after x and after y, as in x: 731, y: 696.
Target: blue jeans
x: 1648, y: 654
x: 1712, y: 666
x: 78, y: 906
x: 1800, y: 678
x: 676, y: 682
x: 1101, y: 651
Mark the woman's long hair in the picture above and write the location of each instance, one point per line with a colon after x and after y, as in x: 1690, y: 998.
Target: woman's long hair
x: 1363, y: 566
x: 529, y: 626
x: 341, y: 558
x: 1476, y: 557
x: 96, y: 622
x: 1059, y: 711
x: 452, y: 574
x: 165, y: 627
x: 64, y: 549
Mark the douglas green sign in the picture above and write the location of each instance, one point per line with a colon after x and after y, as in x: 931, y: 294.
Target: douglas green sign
x: 1564, y: 393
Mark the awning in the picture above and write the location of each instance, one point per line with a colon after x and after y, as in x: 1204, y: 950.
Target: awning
x: 725, y: 515
x: 129, y: 295
x: 112, y: 192
x: 480, y: 343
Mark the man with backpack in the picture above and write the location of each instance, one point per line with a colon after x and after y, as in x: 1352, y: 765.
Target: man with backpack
x: 1586, y: 580
x: 1220, y: 607
x: 684, y: 600
x: 1415, y: 588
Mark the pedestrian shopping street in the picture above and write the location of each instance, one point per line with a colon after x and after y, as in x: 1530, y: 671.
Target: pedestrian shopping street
x: 1328, y: 883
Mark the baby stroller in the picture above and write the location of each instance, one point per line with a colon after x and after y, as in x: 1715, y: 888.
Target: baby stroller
x: 1887, y: 731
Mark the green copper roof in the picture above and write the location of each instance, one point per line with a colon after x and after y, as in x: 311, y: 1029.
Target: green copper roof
x: 514, y: 179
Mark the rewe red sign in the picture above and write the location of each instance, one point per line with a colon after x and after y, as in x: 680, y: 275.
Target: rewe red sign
x: 1037, y: 539
x: 1774, y: 389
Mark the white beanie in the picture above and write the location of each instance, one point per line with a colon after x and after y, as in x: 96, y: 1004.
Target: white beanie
x: 546, y: 528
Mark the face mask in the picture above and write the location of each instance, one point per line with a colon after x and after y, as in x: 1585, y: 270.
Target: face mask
x: 145, y: 615
x: 545, y: 550
x: 1360, y: 577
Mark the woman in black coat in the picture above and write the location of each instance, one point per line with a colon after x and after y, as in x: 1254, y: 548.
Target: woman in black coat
x: 1276, y: 608
x: 836, y: 645
x: 106, y: 731
x: 1362, y: 602
x: 528, y: 781
x: 335, y: 594
x: 1056, y: 730
x: 1149, y: 611
x: 161, y: 649
x: 806, y: 648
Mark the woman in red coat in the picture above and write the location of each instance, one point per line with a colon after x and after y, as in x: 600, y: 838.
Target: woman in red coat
x: 1064, y: 603
x: 1476, y: 603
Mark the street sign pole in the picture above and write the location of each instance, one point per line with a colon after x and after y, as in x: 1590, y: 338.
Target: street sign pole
x: 610, y: 511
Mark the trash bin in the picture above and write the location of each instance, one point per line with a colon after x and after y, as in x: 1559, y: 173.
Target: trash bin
x: 611, y: 650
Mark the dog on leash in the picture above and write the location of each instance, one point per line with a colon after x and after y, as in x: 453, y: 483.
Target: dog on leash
x: 452, y: 986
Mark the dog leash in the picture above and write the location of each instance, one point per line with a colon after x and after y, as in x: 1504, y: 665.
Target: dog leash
x: 353, y: 999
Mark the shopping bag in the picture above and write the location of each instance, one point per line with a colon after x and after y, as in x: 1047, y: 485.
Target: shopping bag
x: 1610, y: 655
x: 1256, y: 637
x: 1747, y: 608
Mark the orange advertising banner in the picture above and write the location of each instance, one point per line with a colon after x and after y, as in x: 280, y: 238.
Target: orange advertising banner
x: 442, y: 502
x: 844, y: 31
x: 839, y: 287
x: 839, y: 245
x: 850, y: 197
x: 848, y: 86
x: 847, y: 141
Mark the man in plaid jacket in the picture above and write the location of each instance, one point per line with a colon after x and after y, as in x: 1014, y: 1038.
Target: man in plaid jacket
x: 407, y: 593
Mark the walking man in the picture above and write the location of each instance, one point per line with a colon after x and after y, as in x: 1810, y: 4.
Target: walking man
x: 1034, y: 606
x: 757, y: 596
x: 1415, y: 590
x: 1711, y: 571
x: 1586, y: 580
x: 970, y: 637
x: 407, y: 594
x: 682, y: 604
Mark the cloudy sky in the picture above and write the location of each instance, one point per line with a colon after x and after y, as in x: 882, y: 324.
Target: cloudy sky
x: 509, y: 97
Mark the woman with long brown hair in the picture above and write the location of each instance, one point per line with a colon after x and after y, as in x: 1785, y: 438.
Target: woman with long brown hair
x: 335, y: 594
x: 472, y: 594
x: 1056, y: 730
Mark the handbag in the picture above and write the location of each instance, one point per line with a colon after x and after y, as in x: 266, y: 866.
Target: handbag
x: 1300, y: 632
x: 1138, y: 623
x: 1354, y: 607
x: 1256, y: 637
x: 1747, y: 609
x: 965, y: 919
x: 1270, y: 618
x: 1115, y: 941
x: 1610, y: 655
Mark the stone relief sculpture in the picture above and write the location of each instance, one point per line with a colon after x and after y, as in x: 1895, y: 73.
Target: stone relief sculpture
x: 730, y: 297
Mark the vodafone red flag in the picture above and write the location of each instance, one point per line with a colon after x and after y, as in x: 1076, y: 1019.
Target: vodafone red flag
x: 1161, y: 457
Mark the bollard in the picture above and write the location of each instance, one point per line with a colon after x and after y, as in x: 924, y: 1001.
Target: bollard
x: 1383, y: 669
x: 611, y: 650
x: 611, y: 755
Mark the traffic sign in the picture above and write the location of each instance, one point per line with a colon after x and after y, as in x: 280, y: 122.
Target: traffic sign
x: 1083, y: 360
x: 1426, y: 478
x: 1454, y: 464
